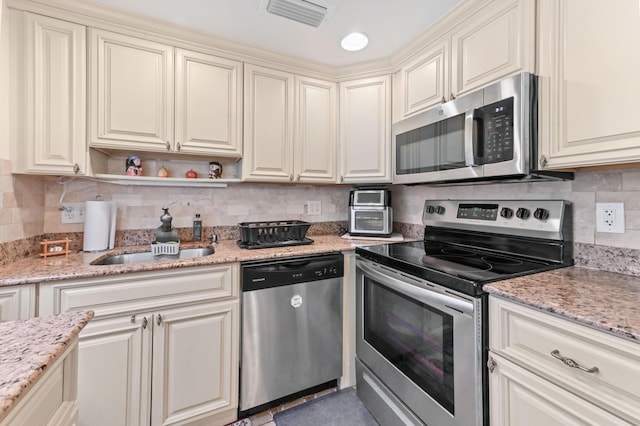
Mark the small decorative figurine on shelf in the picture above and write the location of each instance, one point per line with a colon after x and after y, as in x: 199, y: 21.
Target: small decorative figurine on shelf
x: 133, y: 166
x: 215, y: 170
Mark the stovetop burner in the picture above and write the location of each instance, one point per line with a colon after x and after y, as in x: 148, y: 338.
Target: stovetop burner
x: 469, y: 244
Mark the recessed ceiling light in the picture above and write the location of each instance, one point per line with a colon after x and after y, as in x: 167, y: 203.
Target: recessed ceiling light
x: 354, y: 42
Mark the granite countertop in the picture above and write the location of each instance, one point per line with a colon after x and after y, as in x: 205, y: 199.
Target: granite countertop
x: 604, y: 300
x: 29, y: 347
x: 77, y: 265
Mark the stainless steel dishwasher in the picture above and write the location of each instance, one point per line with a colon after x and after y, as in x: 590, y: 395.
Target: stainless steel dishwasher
x: 291, y: 328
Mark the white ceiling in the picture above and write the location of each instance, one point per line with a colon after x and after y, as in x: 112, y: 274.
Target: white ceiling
x: 389, y: 24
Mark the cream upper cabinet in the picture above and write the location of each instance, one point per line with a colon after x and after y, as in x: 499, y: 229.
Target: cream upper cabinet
x: 422, y: 82
x: 546, y: 370
x: 365, y: 130
x: 208, y: 104
x: 289, y: 127
x: 497, y: 41
x: 131, y: 93
x: 163, y: 345
x: 132, y: 104
x: 487, y: 44
x: 589, y: 62
x: 316, y: 140
x: 48, y: 66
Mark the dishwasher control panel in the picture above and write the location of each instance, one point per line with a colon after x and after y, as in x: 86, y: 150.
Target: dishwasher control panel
x: 279, y: 272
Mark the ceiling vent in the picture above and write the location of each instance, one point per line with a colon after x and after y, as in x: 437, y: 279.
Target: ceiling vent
x: 306, y: 12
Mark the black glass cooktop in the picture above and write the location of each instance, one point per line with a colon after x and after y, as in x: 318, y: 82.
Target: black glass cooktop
x: 461, y: 268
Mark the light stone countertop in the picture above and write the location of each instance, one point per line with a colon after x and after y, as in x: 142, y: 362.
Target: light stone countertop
x: 77, y: 265
x: 603, y: 300
x: 29, y: 347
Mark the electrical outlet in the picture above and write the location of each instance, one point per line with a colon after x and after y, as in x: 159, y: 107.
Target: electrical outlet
x: 610, y: 217
x: 314, y: 207
x: 73, y: 212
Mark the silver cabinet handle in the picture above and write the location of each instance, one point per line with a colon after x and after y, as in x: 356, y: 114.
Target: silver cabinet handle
x: 76, y: 168
x: 159, y: 319
x: 291, y: 178
x: 133, y: 319
x: 543, y: 161
x: 571, y: 363
x: 168, y: 146
x: 145, y: 322
x: 491, y: 364
x: 178, y: 147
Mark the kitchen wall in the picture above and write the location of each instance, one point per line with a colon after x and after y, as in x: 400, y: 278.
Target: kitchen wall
x: 140, y: 207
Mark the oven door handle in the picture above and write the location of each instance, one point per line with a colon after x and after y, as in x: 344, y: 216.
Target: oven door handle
x: 424, y: 295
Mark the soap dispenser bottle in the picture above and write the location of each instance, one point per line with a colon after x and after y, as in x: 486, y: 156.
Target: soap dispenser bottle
x: 166, y: 232
x: 197, y: 228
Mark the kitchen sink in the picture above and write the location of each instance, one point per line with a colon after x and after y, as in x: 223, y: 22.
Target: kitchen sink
x: 147, y: 256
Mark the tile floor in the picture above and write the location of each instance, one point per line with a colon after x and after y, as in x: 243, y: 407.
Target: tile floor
x: 266, y: 417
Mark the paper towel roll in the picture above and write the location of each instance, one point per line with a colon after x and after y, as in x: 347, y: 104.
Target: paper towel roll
x: 99, y: 225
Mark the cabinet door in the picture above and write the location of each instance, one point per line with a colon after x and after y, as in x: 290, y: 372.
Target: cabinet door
x: 53, y: 91
x: 521, y: 398
x: 316, y: 142
x: 498, y: 41
x: 195, y: 364
x: 268, y: 125
x: 114, y: 371
x: 423, y: 82
x: 208, y: 104
x: 589, y: 62
x: 131, y: 93
x: 17, y: 303
x: 365, y: 130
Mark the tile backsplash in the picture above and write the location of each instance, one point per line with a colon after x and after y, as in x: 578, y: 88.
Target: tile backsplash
x: 29, y: 206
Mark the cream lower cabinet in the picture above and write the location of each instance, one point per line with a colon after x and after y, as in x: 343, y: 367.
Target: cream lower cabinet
x: 289, y: 127
x: 530, y: 385
x: 132, y: 101
x: 17, y: 302
x: 48, y: 95
x: 589, y: 60
x: 365, y: 130
x: 162, y: 348
x: 52, y: 401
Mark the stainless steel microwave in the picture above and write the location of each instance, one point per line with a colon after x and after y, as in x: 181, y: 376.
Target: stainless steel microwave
x: 488, y: 134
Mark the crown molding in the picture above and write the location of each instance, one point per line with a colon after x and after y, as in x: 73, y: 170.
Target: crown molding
x: 178, y: 36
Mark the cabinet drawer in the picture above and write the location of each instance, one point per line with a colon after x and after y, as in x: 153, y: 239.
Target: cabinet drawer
x: 139, y: 291
x: 528, y: 337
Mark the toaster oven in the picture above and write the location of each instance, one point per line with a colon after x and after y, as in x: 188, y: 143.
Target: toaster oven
x: 370, y: 213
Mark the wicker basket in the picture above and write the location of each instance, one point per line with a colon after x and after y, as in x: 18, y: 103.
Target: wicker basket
x: 271, y: 232
x: 165, y: 248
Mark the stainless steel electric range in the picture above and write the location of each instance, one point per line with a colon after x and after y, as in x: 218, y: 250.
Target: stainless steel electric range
x: 422, y: 335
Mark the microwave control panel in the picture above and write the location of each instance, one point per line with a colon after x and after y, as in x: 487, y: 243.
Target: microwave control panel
x: 497, y: 138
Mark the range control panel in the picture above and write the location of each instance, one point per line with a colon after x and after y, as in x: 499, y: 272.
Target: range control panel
x: 538, y: 218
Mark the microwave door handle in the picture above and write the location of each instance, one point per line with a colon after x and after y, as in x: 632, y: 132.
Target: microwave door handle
x: 471, y: 137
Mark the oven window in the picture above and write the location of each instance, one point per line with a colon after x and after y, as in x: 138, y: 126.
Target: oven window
x: 434, y: 147
x: 416, y: 338
x: 369, y: 220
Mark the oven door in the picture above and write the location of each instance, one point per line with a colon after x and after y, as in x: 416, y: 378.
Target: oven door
x: 423, y: 343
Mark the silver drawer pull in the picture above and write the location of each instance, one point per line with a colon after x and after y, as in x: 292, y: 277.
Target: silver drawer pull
x: 571, y: 363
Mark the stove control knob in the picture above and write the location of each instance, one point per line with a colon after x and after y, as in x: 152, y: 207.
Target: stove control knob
x: 506, y: 212
x: 440, y: 210
x: 431, y: 209
x: 523, y: 213
x: 541, y: 214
